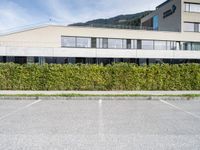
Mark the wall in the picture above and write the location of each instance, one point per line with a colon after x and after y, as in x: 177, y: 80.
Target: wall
x: 50, y: 36
x: 49, y: 39
x: 97, y: 53
x: 170, y: 23
x: 190, y: 16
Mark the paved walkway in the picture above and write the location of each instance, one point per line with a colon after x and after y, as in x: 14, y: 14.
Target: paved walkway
x: 100, y: 92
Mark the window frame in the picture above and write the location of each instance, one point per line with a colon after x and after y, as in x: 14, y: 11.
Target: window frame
x: 170, y: 45
x: 196, y: 27
x: 189, y: 7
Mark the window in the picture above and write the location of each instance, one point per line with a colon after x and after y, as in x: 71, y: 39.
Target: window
x: 104, y: 43
x: 160, y: 45
x: 83, y: 42
x: 139, y: 44
x: 186, y: 46
x: 124, y: 44
x: 183, y: 46
x: 147, y: 44
x: 178, y: 45
x: 171, y: 45
x: 191, y: 27
x: 115, y: 43
x: 99, y: 42
x: 199, y: 27
x: 88, y: 42
x: 194, y: 8
x: 187, y: 7
x: 68, y: 41
x: 155, y: 23
x: 134, y: 44
x: 94, y: 43
x: 128, y: 44
x: 196, y: 27
x: 191, y: 7
x: 196, y: 46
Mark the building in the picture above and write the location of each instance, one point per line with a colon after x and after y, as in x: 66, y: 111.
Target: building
x: 175, y: 15
x: 174, y: 38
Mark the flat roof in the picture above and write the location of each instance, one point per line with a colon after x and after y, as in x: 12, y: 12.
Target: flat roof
x: 27, y: 28
x: 86, y: 27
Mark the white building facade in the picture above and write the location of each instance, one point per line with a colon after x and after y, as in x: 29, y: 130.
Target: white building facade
x: 175, y: 39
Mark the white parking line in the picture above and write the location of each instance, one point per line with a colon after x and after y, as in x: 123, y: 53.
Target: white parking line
x: 101, y: 122
x: 176, y: 107
x: 20, y: 109
x: 100, y: 102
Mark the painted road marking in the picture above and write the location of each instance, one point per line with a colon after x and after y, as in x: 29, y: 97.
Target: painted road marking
x: 176, y: 107
x: 20, y: 109
x: 101, y: 122
x: 100, y: 102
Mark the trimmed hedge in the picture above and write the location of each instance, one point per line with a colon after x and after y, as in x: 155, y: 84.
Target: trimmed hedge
x: 120, y: 76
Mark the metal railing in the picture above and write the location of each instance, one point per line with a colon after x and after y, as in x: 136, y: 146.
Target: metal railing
x: 116, y: 27
x: 22, y: 28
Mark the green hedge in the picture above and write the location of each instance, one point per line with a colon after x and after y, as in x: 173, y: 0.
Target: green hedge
x: 121, y: 76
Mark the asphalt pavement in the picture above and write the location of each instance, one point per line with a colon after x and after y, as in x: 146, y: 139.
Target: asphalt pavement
x: 99, y: 125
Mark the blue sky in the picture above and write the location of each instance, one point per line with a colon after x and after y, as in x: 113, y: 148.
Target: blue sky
x: 17, y: 13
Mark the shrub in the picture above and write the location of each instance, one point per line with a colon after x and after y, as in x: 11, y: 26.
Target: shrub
x: 122, y: 76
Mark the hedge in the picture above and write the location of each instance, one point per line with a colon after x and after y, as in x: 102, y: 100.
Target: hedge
x: 122, y: 76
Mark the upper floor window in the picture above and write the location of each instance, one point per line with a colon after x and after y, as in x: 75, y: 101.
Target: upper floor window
x: 115, y: 43
x: 94, y: 42
x: 111, y: 43
x: 160, y: 45
x: 105, y: 43
x: 68, y: 41
x: 192, y: 7
x: 196, y: 46
x: 128, y: 44
x: 83, y: 42
x: 192, y: 27
x: 171, y: 45
x: 80, y: 42
x: 155, y: 23
x: 191, y: 46
x: 147, y: 44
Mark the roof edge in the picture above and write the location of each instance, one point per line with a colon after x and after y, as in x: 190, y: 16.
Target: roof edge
x: 164, y: 3
x: 26, y: 28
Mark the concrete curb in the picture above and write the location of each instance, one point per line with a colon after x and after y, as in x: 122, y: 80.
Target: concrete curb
x: 53, y: 93
x: 97, y: 98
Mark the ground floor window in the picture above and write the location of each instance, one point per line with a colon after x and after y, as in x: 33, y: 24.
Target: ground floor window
x: 104, y: 61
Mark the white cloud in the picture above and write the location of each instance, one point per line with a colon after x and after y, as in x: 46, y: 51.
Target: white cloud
x: 84, y: 10
x: 69, y: 11
x: 59, y: 11
x: 12, y: 15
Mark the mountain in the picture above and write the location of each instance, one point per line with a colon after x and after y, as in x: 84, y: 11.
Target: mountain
x: 126, y: 20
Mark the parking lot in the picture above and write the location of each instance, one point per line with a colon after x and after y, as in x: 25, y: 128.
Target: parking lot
x: 99, y: 125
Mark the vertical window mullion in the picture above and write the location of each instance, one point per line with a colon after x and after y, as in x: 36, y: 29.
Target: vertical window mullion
x: 76, y: 42
x: 189, y: 7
